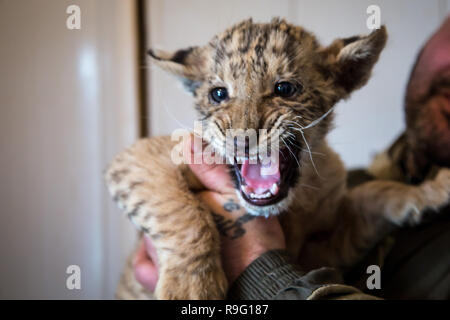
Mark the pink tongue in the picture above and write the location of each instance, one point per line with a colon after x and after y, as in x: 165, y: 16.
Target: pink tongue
x: 260, y: 177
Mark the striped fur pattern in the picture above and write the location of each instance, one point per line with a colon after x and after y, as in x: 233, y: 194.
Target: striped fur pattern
x: 248, y: 59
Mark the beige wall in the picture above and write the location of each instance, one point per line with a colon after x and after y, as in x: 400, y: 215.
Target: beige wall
x: 68, y: 103
x: 367, y: 122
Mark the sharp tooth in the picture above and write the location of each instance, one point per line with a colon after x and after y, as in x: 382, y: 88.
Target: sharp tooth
x: 246, y: 189
x: 274, y: 189
x: 252, y: 195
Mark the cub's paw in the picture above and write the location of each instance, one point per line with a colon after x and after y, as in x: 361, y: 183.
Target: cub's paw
x: 435, y: 193
x: 187, y: 285
x: 428, y: 197
x: 410, y: 215
x: 442, y: 180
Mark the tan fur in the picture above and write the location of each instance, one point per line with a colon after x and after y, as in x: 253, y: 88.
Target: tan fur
x: 248, y: 59
x: 156, y: 197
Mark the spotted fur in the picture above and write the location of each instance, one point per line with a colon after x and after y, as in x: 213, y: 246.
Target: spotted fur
x: 248, y: 59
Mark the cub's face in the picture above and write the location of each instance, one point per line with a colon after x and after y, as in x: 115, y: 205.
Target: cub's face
x: 270, y: 87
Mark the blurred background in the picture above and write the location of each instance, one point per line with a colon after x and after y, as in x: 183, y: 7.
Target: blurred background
x: 71, y: 99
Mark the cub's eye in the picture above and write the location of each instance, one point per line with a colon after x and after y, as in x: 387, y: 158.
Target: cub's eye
x: 285, y: 89
x: 219, y: 94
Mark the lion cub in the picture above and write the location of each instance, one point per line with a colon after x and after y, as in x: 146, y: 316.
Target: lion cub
x: 277, y: 77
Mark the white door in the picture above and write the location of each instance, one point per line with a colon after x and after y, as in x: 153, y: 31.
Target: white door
x: 68, y: 103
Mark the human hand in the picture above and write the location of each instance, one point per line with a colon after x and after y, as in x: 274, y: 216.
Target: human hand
x: 244, y: 237
x: 145, y: 264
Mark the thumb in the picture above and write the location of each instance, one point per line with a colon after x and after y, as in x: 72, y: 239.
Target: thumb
x: 215, y: 176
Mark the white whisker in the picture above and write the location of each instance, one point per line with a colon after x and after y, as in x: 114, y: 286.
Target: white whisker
x: 310, y: 154
x: 313, y: 152
x: 315, y: 122
x: 308, y: 186
x: 290, y: 151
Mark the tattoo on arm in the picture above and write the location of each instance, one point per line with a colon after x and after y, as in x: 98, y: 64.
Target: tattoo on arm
x: 229, y: 227
x: 230, y: 206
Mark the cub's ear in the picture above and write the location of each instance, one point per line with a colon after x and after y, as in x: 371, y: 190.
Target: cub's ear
x: 188, y: 64
x: 350, y: 61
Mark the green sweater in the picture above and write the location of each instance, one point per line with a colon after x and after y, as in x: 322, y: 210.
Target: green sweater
x: 273, y: 277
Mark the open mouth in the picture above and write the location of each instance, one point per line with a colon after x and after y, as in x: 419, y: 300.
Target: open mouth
x: 268, y: 182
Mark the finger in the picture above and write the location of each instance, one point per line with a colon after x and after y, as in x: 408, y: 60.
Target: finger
x: 145, y: 271
x: 151, y: 250
x: 213, y: 176
x: 226, y: 205
x: 147, y: 275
